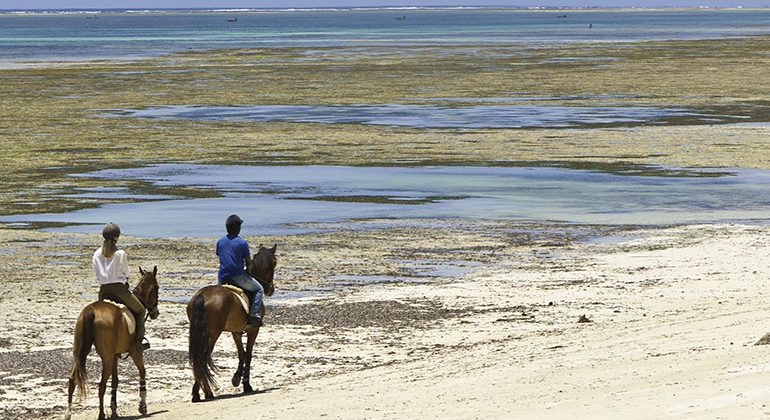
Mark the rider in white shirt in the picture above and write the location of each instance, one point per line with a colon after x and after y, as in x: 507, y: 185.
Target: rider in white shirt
x: 111, y: 270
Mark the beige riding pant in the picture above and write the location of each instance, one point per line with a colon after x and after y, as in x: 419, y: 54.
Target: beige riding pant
x: 120, y: 292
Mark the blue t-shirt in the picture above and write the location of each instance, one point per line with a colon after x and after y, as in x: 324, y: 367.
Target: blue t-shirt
x: 232, y: 251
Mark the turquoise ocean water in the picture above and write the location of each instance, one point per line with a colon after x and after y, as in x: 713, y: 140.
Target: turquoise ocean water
x: 76, y: 35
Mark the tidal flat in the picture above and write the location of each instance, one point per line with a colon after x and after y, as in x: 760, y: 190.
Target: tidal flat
x: 52, y: 121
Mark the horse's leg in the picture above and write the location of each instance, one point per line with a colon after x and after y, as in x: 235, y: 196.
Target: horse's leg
x: 241, y: 359
x: 138, y: 358
x: 107, y: 362
x: 114, y: 396
x: 196, y: 397
x: 250, y: 339
x: 70, y: 391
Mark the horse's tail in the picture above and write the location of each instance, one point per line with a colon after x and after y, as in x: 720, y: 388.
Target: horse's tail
x: 84, y: 339
x: 200, y: 357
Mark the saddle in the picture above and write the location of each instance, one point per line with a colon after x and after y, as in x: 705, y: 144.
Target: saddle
x: 127, y: 315
x: 240, y: 294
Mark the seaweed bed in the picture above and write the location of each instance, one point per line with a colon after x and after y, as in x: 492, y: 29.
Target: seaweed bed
x: 53, y: 125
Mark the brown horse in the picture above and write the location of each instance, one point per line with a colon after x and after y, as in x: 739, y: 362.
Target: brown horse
x: 102, y: 325
x: 214, y: 309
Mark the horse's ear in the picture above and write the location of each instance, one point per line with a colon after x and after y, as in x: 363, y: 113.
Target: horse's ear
x: 140, y: 270
x: 155, y: 270
x: 272, y: 250
x: 260, y: 246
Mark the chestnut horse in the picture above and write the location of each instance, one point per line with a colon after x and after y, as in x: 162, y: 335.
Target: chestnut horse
x: 101, y: 324
x: 214, y: 309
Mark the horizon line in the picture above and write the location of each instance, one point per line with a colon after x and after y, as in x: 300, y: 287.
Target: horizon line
x: 346, y: 8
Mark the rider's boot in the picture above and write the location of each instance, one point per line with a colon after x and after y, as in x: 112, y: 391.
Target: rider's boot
x: 254, y: 321
x: 142, y: 345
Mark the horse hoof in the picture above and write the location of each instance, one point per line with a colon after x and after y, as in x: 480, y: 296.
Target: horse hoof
x: 247, y: 388
x: 196, y: 398
x: 143, y: 408
x: 236, y: 380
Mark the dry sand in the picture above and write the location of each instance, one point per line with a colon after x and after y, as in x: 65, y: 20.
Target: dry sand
x: 674, y: 317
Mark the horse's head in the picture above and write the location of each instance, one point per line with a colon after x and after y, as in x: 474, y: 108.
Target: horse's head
x: 147, y: 290
x: 262, y: 268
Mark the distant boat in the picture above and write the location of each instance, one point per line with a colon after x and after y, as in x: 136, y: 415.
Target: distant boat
x: 235, y: 19
x: 561, y: 16
x: 402, y: 17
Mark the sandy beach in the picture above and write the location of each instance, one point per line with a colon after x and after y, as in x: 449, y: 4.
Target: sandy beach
x: 675, y: 316
x: 674, y: 313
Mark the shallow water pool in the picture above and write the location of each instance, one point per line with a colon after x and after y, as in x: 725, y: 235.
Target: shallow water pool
x: 285, y: 199
x: 426, y: 116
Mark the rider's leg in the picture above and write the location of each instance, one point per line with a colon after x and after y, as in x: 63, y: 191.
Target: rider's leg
x: 121, y: 292
x: 247, y: 283
x: 133, y: 303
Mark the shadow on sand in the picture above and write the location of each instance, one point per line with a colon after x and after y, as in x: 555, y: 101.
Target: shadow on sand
x: 141, y: 416
x: 240, y: 394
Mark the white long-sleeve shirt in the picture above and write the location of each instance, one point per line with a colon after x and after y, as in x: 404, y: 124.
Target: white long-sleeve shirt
x: 111, y: 270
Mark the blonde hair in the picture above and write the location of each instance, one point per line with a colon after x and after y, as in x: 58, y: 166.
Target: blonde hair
x: 111, y: 233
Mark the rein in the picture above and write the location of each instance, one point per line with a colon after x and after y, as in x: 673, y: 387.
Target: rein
x: 261, y: 280
x: 141, y: 300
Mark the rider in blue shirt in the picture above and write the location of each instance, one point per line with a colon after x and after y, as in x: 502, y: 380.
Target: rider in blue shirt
x: 234, y: 255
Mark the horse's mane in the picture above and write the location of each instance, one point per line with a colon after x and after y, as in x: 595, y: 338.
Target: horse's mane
x: 262, y: 261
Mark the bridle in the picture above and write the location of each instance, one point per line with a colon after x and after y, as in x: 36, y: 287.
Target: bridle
x: 143, y: 302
